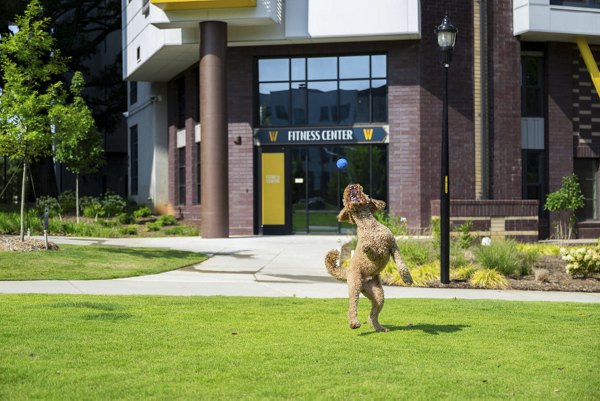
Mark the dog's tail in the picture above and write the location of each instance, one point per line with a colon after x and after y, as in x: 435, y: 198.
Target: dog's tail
x: 332, y: 266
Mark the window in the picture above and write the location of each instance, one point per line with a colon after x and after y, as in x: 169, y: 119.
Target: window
x: 138, y: 53
x: 180, y: 103
x: 133, y: 92
x: 133, y: 154
x: 341, y: 90
x: 587, y: 172
x: 198, y: 180
x: 532, y: 101
x: 576, y: 3
x: 181, y: 174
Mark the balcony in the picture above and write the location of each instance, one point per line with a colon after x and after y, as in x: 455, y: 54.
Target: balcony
x: 169, y: 5
x: 556, y: 20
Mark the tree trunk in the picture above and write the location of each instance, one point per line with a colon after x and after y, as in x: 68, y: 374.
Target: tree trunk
x: 23, y: 195
x: 77, y: 197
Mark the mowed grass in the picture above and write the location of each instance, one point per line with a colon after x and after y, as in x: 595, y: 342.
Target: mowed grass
x: 73, y: 262
x: 56, y: 347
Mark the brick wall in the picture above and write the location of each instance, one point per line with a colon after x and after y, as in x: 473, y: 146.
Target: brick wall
x: 505, y: 103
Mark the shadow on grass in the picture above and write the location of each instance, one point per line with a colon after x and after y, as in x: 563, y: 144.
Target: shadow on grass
x: 433, y: 329
x: 148, y: 253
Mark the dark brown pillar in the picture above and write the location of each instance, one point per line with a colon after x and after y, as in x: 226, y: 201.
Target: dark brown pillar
x: 213, y: 119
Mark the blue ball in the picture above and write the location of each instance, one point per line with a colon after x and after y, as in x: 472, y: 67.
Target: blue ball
x: 342, y: 164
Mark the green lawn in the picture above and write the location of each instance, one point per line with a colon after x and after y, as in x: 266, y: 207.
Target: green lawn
x: 92, y: 262
x: 56, y: 347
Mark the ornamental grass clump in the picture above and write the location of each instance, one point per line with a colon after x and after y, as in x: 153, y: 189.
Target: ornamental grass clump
x: 488, y: 278
x: 505, y: 257
x: 581, y: 262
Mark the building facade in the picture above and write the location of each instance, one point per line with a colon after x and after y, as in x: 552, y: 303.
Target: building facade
x: 239, y: 110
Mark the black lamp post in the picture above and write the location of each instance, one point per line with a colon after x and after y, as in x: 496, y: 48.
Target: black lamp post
x: 446, y: 36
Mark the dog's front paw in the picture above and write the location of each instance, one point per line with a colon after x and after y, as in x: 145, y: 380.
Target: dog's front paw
x: 406, y: 277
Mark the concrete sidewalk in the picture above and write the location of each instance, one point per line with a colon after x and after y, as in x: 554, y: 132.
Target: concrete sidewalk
x: 277, y: 266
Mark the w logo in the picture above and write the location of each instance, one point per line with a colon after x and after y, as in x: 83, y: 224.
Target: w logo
x: 273, y: 136
x: 368, y: 133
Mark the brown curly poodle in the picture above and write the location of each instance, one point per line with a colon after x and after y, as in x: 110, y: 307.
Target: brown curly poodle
x: 375, y: 245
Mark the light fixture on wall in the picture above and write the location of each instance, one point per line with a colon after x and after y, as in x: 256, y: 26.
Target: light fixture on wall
x: 237, y: 140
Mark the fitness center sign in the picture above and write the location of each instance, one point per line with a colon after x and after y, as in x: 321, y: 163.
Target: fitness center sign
x: 315, y: 136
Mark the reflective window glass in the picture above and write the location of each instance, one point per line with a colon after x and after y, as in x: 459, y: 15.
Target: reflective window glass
x: 298, y: 69
x: 322, y: 102
x: 322, y: 68
x: 298, y: 103
x: 273, y: 69
x: 274, y: 100
x: 379, y: 111
x: 378, y: 66
x: 354, y: 101
x: 354, y: 67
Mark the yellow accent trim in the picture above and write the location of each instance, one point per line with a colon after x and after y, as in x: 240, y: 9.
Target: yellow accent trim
x: 590, y: 63
x: 273, y: 188
x: 169, y: 5
x: 446, y: 184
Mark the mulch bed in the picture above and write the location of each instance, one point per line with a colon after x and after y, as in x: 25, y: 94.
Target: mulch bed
x: 551, y: 276
x: 29, y: 245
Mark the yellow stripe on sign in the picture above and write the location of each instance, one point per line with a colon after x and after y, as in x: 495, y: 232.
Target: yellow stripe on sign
x: 273, y: 188
x: 590, y: 62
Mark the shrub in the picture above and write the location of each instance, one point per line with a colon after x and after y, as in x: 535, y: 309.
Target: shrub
x: 153, y: 226
x: 167, y: 220
x: 436, y: 232
x: 67, y: 201
x: 10, y: 223
x: 581, y: 262
x: 128, y: 230
x: 125, y: 218
x: 488, y: 278
x: 505, y: 257
x: 540, y: 249
x: 567, y: 200
x: 397, y: 224
x: 43, y: 202
x: 92, y: 207
x: 142, y: 211
x: 113, y: 204
x: 415, y: 252
x: 465, y: 239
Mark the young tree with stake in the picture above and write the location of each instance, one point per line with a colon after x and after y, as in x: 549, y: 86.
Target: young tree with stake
x: 77, y: 144
x: 30, y: 67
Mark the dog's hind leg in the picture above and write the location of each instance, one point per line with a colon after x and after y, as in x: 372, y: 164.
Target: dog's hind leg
x: 354, y: 287
x: 400, y: 265
x: 373, y: 290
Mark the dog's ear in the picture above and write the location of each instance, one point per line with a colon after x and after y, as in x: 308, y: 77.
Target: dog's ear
x: 375, y: 205
x: 345, y: 216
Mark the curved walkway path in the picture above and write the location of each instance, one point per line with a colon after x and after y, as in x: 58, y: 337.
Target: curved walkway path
x: 267, y: 266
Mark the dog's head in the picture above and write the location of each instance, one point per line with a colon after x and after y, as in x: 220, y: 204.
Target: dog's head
x: 355, y: 200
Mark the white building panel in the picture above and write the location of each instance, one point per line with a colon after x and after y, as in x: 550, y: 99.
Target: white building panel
x: 332, y: 18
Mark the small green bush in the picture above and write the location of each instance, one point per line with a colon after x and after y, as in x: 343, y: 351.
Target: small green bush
x: 50, y: 202
x: 415, y: 252
x: 128, y: 230
x: 424, y: 274
x: 505, y: 257
x: 153, y: 226
x: 125, y: 218
x: 142, y: 211
x: 463, y: 272
x: 66, y: 199
x: 488, y: 278
x: 113, y: 204
x: 436, y: 232
x: 167, y: 220
x: 94, y: 210
x: 465, y: 239
x: 396, y: 223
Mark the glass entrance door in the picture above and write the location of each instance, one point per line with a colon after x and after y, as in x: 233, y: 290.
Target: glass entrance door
x: 317, y: 184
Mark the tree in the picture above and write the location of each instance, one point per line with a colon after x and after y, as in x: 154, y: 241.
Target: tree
x: 76, y: 142
x: 30, y: 66
x: 567, y: 199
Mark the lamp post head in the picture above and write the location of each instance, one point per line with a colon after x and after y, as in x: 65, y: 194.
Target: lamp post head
x: 446, y: 36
